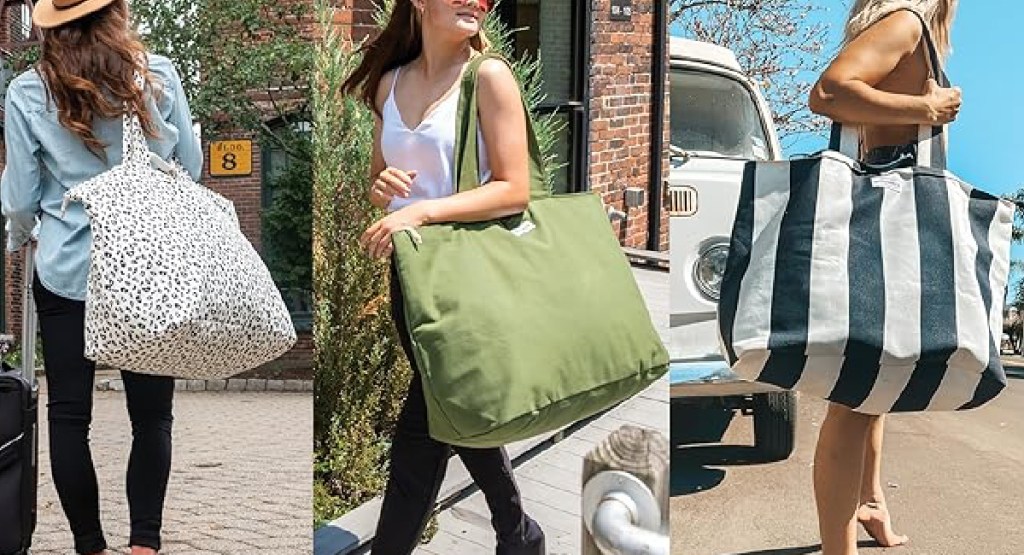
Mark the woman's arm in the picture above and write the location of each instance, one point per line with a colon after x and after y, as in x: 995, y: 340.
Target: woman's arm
x: 846, y: 90
x: 503, y: 125
x: 19, y: 187
x: 188, y: 151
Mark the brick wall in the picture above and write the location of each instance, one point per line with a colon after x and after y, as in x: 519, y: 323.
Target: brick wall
x: 355, y: 18
x: 620, y: 114
x: 10, y: 26
x: 246, y: 192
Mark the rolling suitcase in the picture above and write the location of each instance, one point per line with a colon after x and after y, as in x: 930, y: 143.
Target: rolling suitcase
x: 19, y: 434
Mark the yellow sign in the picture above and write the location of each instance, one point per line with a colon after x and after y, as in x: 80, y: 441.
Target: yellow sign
x: 230, y: 158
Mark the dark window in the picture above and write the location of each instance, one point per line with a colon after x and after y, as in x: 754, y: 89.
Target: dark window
x: 286, y: 245
x: 558, y: 30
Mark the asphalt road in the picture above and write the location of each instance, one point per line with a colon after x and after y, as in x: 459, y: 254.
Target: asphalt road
x: 955, y: 483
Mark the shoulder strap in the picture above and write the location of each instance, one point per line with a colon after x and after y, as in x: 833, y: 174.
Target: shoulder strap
x: 467, y: 159
x: 133, y: 142
x: 932, y: 52
x: 394, y: 80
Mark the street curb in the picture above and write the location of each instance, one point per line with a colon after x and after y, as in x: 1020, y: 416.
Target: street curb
x: 232, y: 385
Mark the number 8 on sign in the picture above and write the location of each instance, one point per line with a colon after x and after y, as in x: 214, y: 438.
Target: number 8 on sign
x: 230, y: 158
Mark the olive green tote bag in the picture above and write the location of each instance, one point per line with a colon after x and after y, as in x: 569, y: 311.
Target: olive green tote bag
x: 525, y: 324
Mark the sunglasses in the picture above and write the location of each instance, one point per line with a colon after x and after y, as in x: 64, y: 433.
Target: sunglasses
x: 484, y: 5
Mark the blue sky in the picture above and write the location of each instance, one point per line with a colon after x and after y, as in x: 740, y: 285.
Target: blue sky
x: 987, y: 140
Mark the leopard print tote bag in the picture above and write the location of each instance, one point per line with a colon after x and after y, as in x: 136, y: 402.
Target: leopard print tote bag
x: 174, y: 287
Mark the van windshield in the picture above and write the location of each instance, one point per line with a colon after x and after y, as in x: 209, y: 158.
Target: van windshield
x: 716, y: 114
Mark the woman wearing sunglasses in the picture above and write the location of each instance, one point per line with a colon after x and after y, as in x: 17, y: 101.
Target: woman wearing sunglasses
x: 410, y: 76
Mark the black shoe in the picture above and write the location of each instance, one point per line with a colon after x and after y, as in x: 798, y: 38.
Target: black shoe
x: 529, y: 542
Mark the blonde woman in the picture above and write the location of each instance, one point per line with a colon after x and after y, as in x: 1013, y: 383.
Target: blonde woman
x: 881, y: 81
x: 410, y: 77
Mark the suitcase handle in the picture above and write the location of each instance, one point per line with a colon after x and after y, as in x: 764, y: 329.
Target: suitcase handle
x: 28, y: 316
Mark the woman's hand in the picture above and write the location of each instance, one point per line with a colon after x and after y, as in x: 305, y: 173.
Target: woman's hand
x: 943, y: 104
x: 376, y: 240
x: 391, y: 183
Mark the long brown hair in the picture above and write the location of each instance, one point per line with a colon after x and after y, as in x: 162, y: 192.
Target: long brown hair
x: 399, y: 43
x: 89, y: 68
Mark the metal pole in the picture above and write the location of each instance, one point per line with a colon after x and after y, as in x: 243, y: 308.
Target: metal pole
x: 28, y: 316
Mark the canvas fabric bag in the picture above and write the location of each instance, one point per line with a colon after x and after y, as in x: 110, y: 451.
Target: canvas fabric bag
x: 877, y: 287
x: 174, y: 287
x: 524, y: 324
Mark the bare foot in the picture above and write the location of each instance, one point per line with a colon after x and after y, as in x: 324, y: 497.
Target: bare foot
x: 874, y: 517
x: 143, y: 551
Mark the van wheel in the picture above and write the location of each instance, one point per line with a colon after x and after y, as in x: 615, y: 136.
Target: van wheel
x: 775, y: 424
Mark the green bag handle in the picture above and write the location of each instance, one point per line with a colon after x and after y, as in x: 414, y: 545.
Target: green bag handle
x: 467, y: 163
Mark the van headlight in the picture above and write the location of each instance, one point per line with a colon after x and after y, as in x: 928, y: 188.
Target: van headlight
x: 710, y: 268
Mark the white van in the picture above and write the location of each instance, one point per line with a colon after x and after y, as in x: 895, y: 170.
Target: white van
x: 719, y: 122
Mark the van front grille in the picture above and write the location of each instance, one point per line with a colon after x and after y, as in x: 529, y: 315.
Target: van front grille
x: 682, y: 201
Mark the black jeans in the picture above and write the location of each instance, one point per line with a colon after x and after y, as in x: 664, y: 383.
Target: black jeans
x: 418, y: 464
x: 69, y: 382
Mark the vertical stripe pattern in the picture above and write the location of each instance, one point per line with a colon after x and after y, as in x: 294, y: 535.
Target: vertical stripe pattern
x: 828, y: 313
x: 900, y: 236
x: 738, y: 260
x: 938, y: 295
x: 866, y: 297
x: 882, y: 292
x: 993, y: 266
x: 787, y: 341
x: 771, y: 195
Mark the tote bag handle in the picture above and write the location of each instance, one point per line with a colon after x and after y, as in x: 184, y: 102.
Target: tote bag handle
x: 931, y: 144
x: 467, y: 157
x: 134, y: 147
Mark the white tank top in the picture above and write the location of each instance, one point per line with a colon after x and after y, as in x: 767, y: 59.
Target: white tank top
x: 429, y: 148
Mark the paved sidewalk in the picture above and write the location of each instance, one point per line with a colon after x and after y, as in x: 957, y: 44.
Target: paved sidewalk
x: 241, y: 478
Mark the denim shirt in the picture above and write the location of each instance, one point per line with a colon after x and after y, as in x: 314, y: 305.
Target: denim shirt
x: 44, y: 160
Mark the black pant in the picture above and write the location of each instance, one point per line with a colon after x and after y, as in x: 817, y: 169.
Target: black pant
x: 418, y: 464
x: 69, y: 381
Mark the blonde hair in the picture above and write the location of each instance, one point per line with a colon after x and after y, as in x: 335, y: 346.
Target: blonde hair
x: 938, y: 14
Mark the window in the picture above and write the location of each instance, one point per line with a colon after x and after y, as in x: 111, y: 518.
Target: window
x: 286, y: 202
x: 714, y: 113
x: 19, y: 23
x: 557, y: 30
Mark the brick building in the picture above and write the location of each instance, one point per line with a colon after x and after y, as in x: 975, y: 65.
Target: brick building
x: 605, y: 75
x: 250, y: 192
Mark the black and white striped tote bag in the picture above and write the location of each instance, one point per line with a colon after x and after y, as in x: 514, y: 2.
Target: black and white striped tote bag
x: 877, y: 288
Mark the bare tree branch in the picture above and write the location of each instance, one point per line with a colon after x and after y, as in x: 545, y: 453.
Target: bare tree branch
x: 777, y: 44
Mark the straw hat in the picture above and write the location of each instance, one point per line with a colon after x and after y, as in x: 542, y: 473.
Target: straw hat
x: 54, y: 13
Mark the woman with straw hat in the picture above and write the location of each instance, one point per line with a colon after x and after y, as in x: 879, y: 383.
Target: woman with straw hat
x: 63, y: 126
